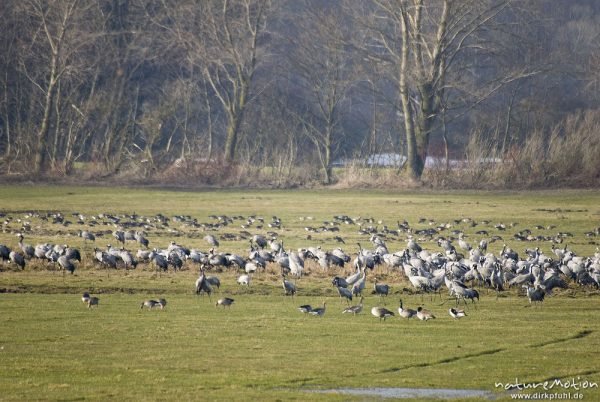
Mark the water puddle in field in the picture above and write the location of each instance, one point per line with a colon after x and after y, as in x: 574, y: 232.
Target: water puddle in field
x: 440, y: 393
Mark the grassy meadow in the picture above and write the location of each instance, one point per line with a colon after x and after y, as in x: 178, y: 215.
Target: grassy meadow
x: 52, y: 347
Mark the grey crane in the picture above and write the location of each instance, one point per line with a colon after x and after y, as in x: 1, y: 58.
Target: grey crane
x: 127, y: 259
x: 175, y: 260
x: 359, y: 286
x: 260, y: 241
x: 381, y: 289
x: 351, y: 280
x: 460, y: 291
x: 354, y: 309
x: 344, y: 294
x: 86, y: 235
x: 406, y: 312
x: 382, y: 313
x: 424, y: 315
x: 119, y: 236
x: 202, y: 284
x: 535, y: 295
x: 250, y: 267
x: 4, y: 252
x: 225, y: 302
x: 139, y: 237
x: 72, y: 253
x: 296, y: 264
x: 288, y: 287
x: 17, y: 259
x: 41, y: 250
x: 28, y: 249
x: 66, y: 264
x: 211, y: 240
x: 214, y: 281
x: 160, y: 261
x: 338, y: 281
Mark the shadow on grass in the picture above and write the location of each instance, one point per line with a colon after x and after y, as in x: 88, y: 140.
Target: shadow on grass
x: 444, y: 361
x: 578, y: 335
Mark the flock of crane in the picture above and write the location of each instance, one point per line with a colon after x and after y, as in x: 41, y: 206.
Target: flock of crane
x: 456, y: 265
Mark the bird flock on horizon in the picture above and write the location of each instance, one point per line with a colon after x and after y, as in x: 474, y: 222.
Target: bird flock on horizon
x: 458, y: 267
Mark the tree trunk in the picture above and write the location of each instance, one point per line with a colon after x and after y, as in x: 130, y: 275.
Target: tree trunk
x: 327, y: 159
x: 232, y: 137
x: 42, y: 136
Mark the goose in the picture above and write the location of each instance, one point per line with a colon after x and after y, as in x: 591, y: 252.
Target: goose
x: 149, y: 303
x: 162, y: 303
x: 93, y: 301
x: 454, y: 313
x: 406, y: 313
x: 318, y: 311
x: 226, y: 301
x: 381, y: 313
x: 354, y: 309
x: 424, y: 315
x: 305, y: 308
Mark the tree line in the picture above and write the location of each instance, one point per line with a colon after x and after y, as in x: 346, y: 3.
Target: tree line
x: 281, y: 87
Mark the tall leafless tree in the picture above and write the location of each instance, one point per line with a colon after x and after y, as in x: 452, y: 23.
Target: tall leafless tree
x: 421, y: 42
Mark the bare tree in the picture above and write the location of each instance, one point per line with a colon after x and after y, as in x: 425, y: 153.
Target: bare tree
x: 52, y: 23
x: 323, y: 73
x: 421, y: 42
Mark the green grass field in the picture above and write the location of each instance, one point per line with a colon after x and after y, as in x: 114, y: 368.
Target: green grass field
x: 52, y: 347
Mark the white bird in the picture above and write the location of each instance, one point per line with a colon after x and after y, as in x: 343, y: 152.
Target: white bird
x: 244, y: 280
x: 226, y: 301
x: 149, y: 303
x: 454, y: 313
x: 85, y: 298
